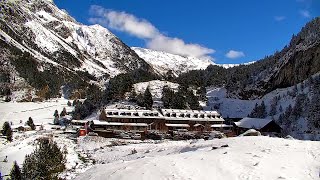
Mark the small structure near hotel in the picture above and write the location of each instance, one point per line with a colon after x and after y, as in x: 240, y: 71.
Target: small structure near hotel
x: 265, y: 126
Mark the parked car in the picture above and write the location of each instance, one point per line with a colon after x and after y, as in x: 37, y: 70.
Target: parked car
x: 124, y: 136
x: 136, y: 136
x: 92, y: 134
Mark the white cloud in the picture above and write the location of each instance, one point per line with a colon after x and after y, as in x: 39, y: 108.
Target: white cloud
x: 178, y: 46
x: 305, y: 13
x: 279, y: 18
x: 141, y: 28
x: 232, y: 54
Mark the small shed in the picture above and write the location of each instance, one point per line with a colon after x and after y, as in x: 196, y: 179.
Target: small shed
x: 263, y: 125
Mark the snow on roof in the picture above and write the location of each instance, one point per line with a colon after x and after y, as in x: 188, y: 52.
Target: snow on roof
x: 191, y: 115
x: 189, y: 111
x: 221, y: 126
x: 133, y: 113
x: 177, y: 125
x: 255, y: 123
x: 105, y: 123
x: 79, y: 121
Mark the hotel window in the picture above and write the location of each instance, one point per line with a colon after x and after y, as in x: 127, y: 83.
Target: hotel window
x: 195, y: 115
x: 201, y: 115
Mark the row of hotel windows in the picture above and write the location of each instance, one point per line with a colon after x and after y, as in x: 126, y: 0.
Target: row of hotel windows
x: 131, y: 114
x: 193, y: 116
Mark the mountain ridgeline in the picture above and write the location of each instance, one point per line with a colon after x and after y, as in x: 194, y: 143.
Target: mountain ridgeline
x: 45, y: 53
x: 44, y: 49
x: 293, y: 64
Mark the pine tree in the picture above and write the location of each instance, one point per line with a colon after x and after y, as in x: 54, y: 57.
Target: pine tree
x: 167, y: 96
x: 15, y: 173
x: 56, y: 113
x: 148, y: 102
x: 63, y: 112
x: 31, y: 124
x: 7, y: 131
x: 103, y: 115
x: 5, y: 127
x: 192, y: 100
x: 46, y: 162
x: 69, y: 103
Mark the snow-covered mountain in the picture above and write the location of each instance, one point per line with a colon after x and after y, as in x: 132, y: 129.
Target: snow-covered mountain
x: 163, y: 62
x: 51, y: 42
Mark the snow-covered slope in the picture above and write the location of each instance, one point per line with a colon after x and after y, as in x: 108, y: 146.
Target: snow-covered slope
x: 155, y: 87
x: 163, y: 62
x: 245, y: 158
x: 56, y: 40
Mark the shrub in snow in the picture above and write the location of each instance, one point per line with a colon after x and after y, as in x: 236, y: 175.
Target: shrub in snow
x: 46, y: 162
x: 63, y: 112
x: 133, y: 151
x: 31, y: 124
x: 7, y: 131
x: 69, y: 103
x: 216, y: 134
x: 15, y: 173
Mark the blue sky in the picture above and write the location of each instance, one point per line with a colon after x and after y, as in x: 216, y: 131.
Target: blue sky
x: 228, y: 31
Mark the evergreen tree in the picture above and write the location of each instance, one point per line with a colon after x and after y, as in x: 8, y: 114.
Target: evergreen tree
x: 148, y: 102
x: 133, y: 96
x: 192, y: 100
x: 69, y: 103
x: 179, y: 101
x: 63, y: 112
x: 7, y: 131
x: 167, y: 96
x: 15, y: 173
x: 56, y: 113
x: 103, y: 115
x: 5, y: 127
x: 46, y: 162
x: 31, y: 124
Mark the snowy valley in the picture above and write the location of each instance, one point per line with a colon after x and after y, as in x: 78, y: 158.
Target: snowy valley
x: 111, y: 111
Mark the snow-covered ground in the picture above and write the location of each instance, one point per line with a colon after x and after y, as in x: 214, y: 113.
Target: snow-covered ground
x: 40, y: 112
x: 244, y: 158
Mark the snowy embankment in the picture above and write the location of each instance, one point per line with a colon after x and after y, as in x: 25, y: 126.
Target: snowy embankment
x: 244, y: 158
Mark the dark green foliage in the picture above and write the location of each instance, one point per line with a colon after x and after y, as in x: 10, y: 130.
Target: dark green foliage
x: 122, y: 83
x: 46, y: 162
x: 15, y: 173
x: 145, y: 99
x: 167, y: 97
x: 259, y: 111
x: 63, y: 112
x: 7, y: 131
x: 182, y: 99
x: 314, y: 107
x: 56, y: 113
x: 179, y: 101
x: 148, y: 102
x: 31, y: 124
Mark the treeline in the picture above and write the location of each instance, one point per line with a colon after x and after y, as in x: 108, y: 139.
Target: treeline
x: 184, y: 98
